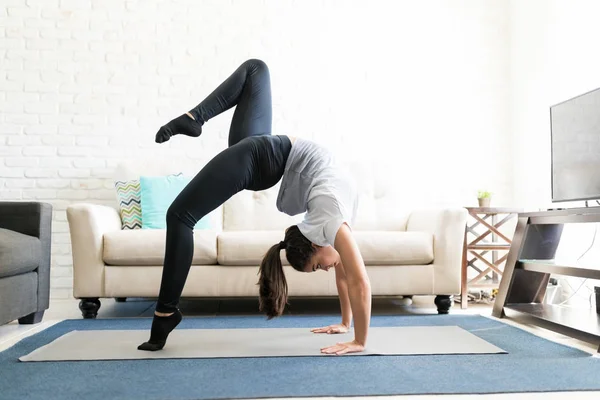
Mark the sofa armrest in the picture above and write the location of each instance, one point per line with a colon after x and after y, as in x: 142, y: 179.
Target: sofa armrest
x: 448, y: 228
x: 88, y: 223
x: 33, y: 219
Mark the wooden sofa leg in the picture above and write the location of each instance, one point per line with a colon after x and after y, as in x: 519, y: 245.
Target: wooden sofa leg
x: 89, y: 307
x: 443, y: 303
x: 33, y: 318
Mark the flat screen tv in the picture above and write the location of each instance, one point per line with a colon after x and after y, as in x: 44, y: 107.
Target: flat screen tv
x: 575, y: 133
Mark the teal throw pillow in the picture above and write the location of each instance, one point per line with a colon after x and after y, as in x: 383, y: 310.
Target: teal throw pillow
x: 157, y: 194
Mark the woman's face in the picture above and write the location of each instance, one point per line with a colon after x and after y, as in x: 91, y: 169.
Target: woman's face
x: 323, y: 259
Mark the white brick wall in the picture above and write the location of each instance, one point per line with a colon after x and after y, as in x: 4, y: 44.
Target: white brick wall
x: 85, y: 84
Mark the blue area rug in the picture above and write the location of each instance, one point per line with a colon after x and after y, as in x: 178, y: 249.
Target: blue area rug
x: 531, y: 365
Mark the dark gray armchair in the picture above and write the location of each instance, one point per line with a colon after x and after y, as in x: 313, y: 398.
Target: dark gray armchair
x: 25, y: 240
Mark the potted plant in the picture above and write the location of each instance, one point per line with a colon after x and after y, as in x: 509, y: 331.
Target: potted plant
x: 484, y: 197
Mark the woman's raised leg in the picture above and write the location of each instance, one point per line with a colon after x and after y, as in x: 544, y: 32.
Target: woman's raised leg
x: 248, y: 88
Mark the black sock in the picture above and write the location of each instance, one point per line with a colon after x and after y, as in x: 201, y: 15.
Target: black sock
x: 161, y: 327
x: 184, y: 124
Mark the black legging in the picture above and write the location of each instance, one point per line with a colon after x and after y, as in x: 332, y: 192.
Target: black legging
x: 254, y: 160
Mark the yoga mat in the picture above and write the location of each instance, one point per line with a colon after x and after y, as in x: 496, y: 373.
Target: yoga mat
x: 257, y: 342
x: 532, y: 364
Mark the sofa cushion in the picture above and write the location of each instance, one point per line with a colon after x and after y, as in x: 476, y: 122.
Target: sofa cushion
x: 247, y: 247
x: 395, y: 248
x: 383, y: 204
x: 256, y: 211
x: 18, y: 253
x: 377, y: 247
x: 147, y: 247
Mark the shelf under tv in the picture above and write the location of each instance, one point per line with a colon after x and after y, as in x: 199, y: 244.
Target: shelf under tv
x: 529, y: 264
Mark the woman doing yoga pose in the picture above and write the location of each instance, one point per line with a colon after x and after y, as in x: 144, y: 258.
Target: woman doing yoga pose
x: 311, y: 182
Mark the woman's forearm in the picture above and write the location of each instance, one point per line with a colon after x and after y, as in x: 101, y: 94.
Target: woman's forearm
x: 342, y: 287
x: 359, y: 294
x: 359, y: 287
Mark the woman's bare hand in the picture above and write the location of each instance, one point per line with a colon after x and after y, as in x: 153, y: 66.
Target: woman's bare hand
x: 338, y: 328
x: 343, y: 348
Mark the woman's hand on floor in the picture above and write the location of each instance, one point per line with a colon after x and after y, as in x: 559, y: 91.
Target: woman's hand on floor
x: 338, y: 328
x: 343, y: 348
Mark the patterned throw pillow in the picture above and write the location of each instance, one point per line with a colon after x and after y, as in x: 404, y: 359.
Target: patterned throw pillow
x: 129, y: 198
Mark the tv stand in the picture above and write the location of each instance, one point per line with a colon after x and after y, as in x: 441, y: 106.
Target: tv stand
x: 527, y: 271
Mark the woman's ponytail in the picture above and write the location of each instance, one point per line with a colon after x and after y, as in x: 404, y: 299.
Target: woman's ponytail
x: 273, y: 292
x: 273, y: 288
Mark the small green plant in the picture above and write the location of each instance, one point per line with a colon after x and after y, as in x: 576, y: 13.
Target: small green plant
x: 484, y: 194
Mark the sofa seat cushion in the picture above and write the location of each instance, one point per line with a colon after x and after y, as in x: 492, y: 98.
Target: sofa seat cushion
x: 395, y: 247
x: 147, y: 247
x: 247, y: 247
x: 377, y: 247
x: 19, y: 253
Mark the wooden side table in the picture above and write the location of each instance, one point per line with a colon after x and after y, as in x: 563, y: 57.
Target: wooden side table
x: 490, y: 240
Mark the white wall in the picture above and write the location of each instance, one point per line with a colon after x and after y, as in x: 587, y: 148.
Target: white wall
x: 86, y: 84
x: 553, y: 58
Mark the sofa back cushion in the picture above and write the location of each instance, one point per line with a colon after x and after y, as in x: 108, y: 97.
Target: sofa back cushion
x: 382, y: 197
x: 381, y: 204
x: 248, y: 211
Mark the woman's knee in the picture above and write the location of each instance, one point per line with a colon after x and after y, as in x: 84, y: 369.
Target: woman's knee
x: 254, y: 64
x: 175, y: 215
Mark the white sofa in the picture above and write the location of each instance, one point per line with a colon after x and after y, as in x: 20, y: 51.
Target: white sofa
x: 406, y: 252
